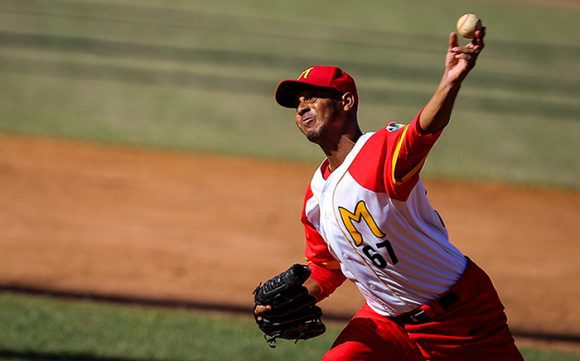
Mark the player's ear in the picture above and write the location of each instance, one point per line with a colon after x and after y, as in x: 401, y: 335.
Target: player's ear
x: 348, y: 101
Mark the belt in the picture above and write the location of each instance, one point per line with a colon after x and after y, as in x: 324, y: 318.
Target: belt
x: 427, y: 312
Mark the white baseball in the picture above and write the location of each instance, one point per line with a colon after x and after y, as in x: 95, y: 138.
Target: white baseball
x: 467, y: 25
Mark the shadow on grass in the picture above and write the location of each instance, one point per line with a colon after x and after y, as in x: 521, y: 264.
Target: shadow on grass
x: 221, y: 307
x: 7, y: 354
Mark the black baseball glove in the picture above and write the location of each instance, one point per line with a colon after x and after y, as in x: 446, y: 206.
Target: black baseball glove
x: 294, y: 314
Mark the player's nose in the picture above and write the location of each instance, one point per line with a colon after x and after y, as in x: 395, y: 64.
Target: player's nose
x: 302, y: 107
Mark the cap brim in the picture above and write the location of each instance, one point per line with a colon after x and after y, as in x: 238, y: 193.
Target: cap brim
x: 287, y: 91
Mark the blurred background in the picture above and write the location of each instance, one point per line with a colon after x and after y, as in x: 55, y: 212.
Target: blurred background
x: 199, y: 75
x: 143, y: 159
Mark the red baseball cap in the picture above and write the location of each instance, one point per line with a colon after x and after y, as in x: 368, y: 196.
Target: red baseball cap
x: 319, y: 76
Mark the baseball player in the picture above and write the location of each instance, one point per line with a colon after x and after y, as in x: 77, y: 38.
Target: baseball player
x: 367, y: 218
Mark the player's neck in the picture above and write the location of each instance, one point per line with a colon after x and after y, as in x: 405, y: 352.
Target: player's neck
x: 337, y: 153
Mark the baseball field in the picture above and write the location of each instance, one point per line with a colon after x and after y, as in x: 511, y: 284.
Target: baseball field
x: 148, y: 180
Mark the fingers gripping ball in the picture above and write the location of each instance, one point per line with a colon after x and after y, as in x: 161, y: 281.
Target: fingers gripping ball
x: 293, y: 314
x: 468, y: 24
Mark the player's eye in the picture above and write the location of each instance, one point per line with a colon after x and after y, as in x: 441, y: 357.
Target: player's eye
x: 308, y: 99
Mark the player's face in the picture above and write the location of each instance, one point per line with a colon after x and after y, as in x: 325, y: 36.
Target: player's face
x: 316, y: 113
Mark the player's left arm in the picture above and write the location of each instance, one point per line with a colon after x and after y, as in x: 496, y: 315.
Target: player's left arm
x: 458, y: 63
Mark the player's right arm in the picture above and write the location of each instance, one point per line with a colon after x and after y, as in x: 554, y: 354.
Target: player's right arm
x: 326, y: 275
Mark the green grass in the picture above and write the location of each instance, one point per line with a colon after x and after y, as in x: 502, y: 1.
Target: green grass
x: 199, y: 76
x: 38, y: 328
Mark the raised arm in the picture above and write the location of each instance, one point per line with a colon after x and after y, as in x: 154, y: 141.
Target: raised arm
x: 458, y: 63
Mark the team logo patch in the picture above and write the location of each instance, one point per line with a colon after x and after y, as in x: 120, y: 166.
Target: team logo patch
x: 305, y: 73
x: 392, y: 127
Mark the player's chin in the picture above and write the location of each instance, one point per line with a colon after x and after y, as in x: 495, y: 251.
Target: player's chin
x: 312, y: 135
x: 310, y: 132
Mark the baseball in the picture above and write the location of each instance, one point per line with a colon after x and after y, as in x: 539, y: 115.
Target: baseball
x: 467, y: 24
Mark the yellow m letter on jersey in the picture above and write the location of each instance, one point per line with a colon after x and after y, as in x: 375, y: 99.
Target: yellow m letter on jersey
x: 361, y: 212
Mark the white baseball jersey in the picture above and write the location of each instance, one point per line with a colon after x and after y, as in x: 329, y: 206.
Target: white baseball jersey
x: 371, y: 215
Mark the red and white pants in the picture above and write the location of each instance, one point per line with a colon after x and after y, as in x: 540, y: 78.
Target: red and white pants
x: 473, y: 328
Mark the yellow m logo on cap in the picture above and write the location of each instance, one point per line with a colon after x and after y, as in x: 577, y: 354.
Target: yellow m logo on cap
x: 305, y: 73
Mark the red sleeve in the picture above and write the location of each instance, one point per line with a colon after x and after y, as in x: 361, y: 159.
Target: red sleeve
x: 391, y: 159
x: 327, y: 279
x: 410, y: 152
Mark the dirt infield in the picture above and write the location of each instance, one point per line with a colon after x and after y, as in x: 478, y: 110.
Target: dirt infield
x: 124, y: 221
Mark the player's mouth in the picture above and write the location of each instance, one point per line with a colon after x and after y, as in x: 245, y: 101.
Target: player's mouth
x: 307, y: 119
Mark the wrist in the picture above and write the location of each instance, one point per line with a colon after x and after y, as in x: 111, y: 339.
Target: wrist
x: 313, y: 288
x: 449, y: 84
